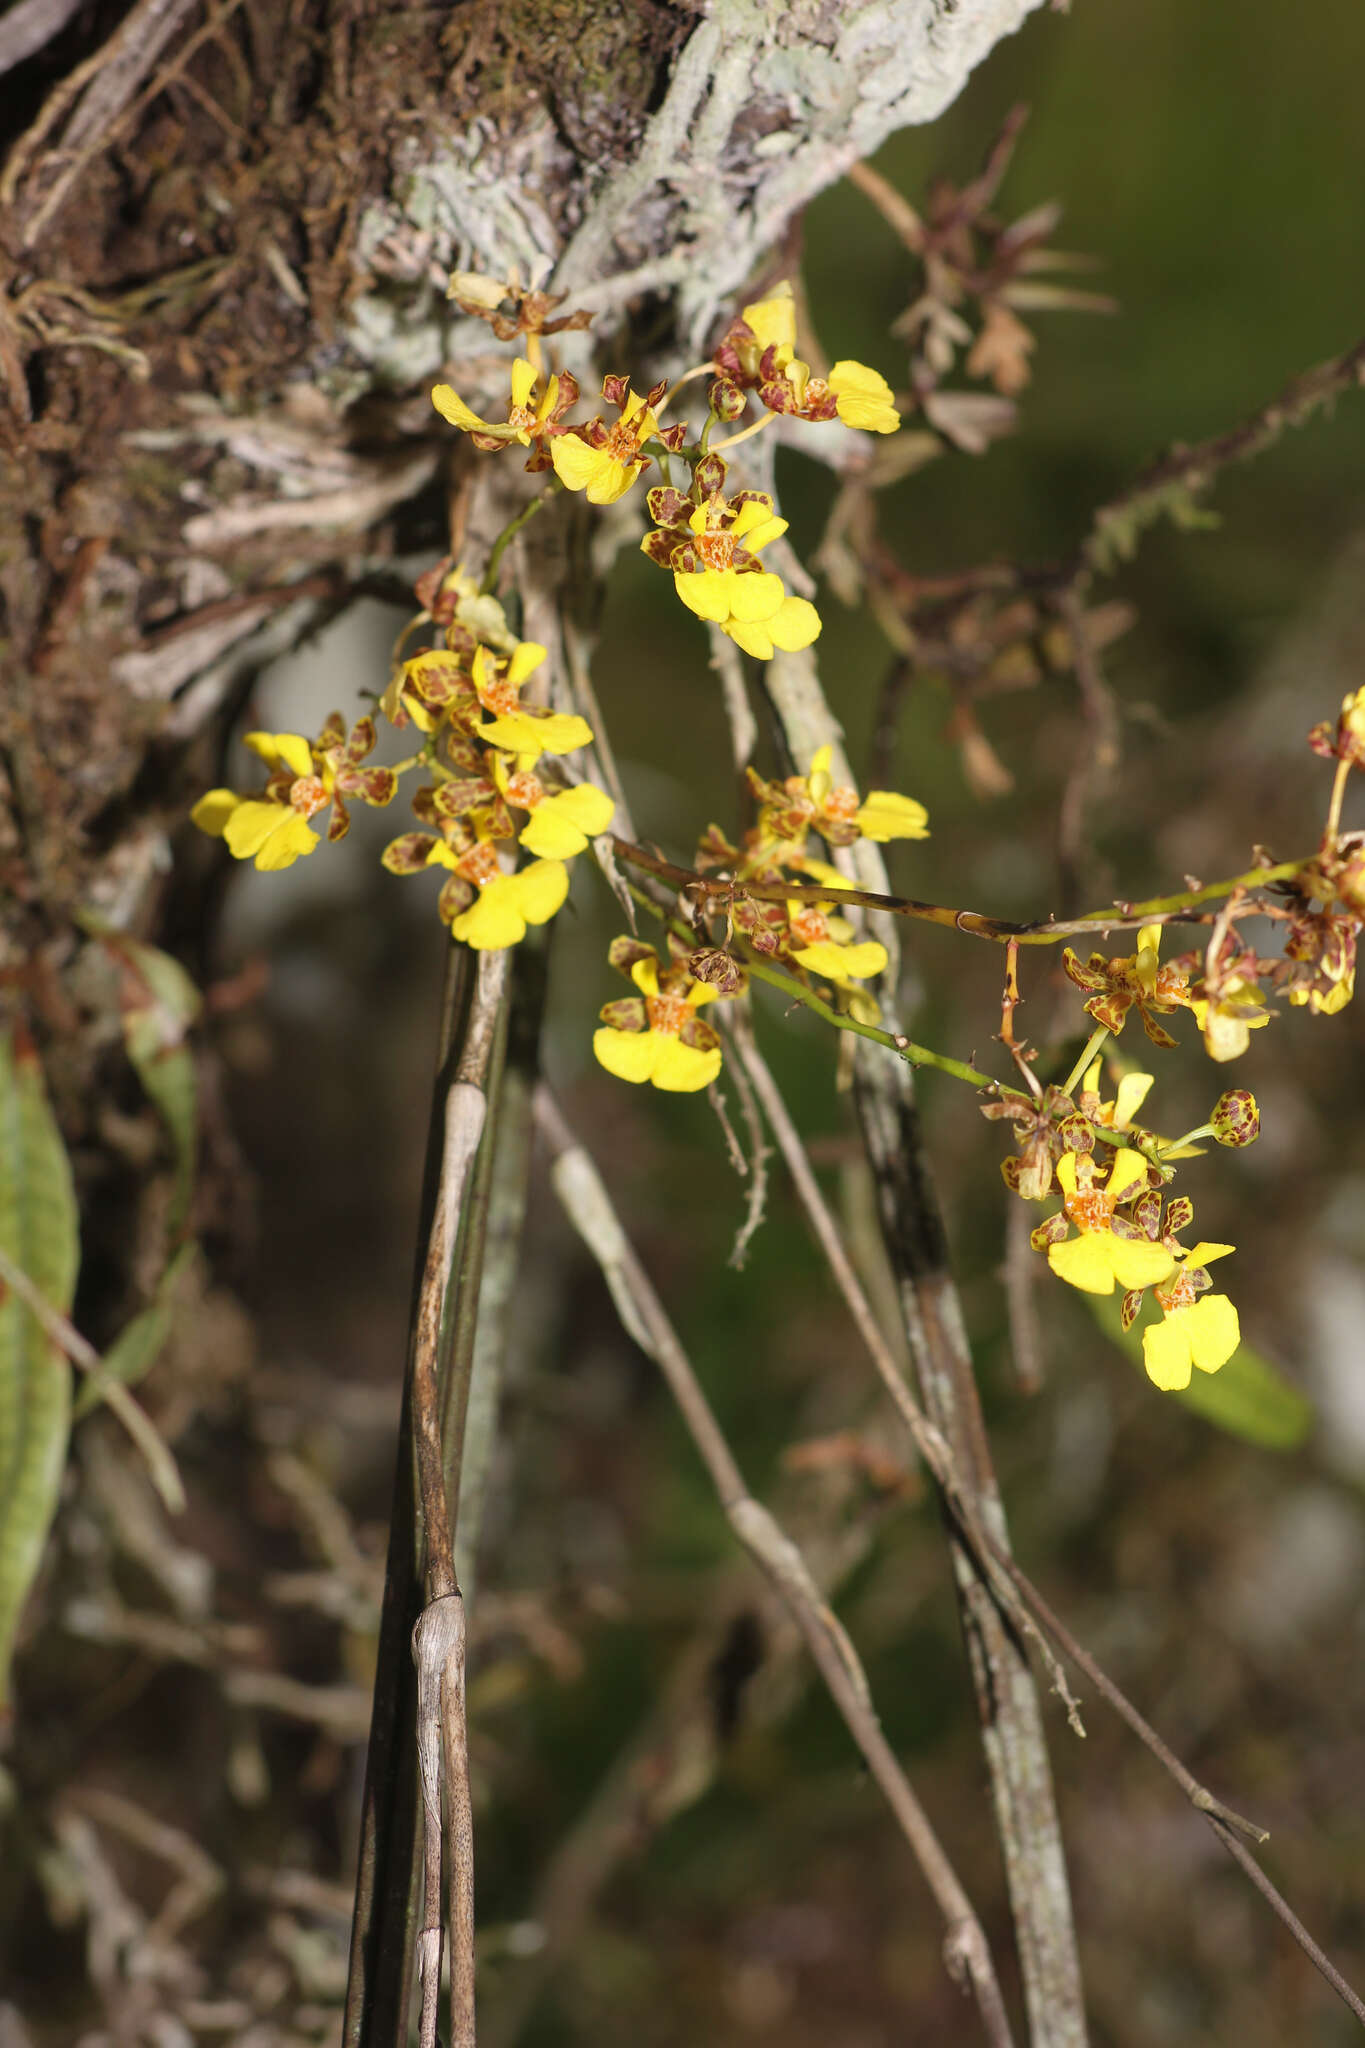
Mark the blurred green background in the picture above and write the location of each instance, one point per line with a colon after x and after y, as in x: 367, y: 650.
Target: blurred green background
x: 1212, y: 159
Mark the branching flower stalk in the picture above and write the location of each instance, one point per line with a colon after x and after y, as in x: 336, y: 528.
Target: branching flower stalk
x: 796, y: 900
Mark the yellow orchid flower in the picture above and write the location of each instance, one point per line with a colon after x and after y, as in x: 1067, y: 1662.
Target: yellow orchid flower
x: 1097, y: 1259
x: 657, y: 1036
x: 1228, y: 1019
x: 305, y: 777
x: 1196, y: 1329
x: 562, y: 821
x: 604, y: 461
x: 506, y: 904
x: 527, y: 415
x: 751, y: 606
x: 860, y: 397
x: 1114, y: 987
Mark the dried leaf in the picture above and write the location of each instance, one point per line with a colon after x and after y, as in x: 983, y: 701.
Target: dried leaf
x: 971, y: 419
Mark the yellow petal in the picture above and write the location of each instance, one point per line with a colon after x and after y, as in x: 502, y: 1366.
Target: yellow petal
x: 756, y: 525
x: 755, y: 640
x: 1084, y: 1262
x: 493, y: 920
x: 863, y: 398
x: 612, y: 478
x: 213, y: 810
x: 576, y: 464
x: 1128, y: 1172
x: 1129, y: 1097
x: 865, y: 959
x: 540, y: 889
x: 282, y: 749
x: 1203, y: 1253
x: 773, y: 320
x: 705, y: 591
x: 630, y: 1055
x: 1137, y: 1262
x: 1215, y: 1331
x: 842, y: 963
x: 251, y: 824
x: 1166, y: 1353
x: 292, y: 837
x: 452, y: 407
x: 521, y: 732
x: 526, y: 659
x: 562, y: 825
x: 756, y: 597
x: 1066, y: 1173
x: 523, y: 380
x: 681, y: 1069
x: 795, y: 624
x: 645, y: 975
x: 887, y: 816
x: 1145, y: 960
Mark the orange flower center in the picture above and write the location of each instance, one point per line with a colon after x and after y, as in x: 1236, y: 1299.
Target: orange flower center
x: 666, y: 1013
x: 499, y: 696
x: 524, y: 790
x: 479, y: 865
x: 717, y: 550
x: 841, y: 803
x: 623, y: 441
x: 307, y: 795
x: 808, y: 925
x: 1090, y: 1208
x: 1179, y: 1293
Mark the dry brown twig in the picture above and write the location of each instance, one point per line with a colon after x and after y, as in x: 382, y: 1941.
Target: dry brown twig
x: 589, y: 1208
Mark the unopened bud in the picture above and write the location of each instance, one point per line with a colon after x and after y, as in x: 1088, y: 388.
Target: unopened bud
x: 1235, y: 1119
x: 726, y: 399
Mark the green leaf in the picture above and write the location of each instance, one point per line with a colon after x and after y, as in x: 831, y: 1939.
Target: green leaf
x: 154, y: 1032
x: 1247, y: 1397
x: 138, y: 1344
x: 38, y: 1233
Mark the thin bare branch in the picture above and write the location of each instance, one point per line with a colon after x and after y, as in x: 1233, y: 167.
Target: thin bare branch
x: 589, y: 1208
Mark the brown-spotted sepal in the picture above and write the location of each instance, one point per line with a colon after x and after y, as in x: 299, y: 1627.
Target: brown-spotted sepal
x: 409, y: 853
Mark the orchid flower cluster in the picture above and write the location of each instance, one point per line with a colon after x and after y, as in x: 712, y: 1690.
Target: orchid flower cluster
x: 502, y: 814
x: 1111, y: 1174
x: 657, y: 1036
x: 1126, y: 1231
x: 484, y: 750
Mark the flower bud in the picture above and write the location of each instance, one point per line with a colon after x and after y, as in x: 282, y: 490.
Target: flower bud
x: 725, y: 399
x: 1235, y: 1119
